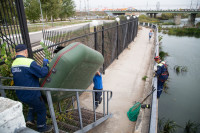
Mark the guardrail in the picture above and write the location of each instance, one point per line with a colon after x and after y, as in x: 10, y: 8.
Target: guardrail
x: 50, y: 102
x: 154, y: 103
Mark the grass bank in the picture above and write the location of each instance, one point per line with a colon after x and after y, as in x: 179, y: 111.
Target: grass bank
x: 182, y: 31
x: 39, y: 26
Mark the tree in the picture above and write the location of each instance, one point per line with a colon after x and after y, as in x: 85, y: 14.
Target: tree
x: 51, y: 8
x: 32, y: 10
x: 67, y: 9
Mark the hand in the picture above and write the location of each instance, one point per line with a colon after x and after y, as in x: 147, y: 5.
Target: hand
x: 154, y: 75
x: 46, y: 60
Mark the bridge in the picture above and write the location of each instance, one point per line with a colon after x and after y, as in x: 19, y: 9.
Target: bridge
x: 153, y: 13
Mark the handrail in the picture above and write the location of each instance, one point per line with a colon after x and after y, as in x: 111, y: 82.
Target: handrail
x: 50, y: 102
x: 154, y: 109
x: 154, y: 103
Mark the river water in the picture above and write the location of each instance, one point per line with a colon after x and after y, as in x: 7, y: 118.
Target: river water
x: 181, y: 103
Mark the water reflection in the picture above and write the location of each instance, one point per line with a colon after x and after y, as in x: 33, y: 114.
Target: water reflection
x: 181, y: 102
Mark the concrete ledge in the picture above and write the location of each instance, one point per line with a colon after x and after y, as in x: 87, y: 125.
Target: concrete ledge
x: 11, y: 116
x: 143, y: 120
x: 25, y: 130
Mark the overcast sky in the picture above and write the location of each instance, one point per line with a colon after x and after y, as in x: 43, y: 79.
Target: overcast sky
x: 138, y: 4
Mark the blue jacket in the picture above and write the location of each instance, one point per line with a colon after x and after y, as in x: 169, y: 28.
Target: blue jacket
x: 162, y: 72
x: 26, y: 72
x: 97, y: 80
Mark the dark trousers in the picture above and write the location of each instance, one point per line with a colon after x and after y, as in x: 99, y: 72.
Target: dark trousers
x: 159, y: 88
x: 37, y: 106
x: 97, y: 97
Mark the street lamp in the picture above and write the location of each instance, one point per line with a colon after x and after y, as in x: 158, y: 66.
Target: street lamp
x: 117, y: 19
x: 94, y: 23
x: 127, y: 17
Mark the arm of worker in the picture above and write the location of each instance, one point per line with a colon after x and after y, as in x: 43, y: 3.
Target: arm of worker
x: 98, y: 73
x: 39, y: 71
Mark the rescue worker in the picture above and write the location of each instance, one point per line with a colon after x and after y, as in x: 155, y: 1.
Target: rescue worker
x: 26, y: 72
x: 97, y: 80
x: 162, y: 74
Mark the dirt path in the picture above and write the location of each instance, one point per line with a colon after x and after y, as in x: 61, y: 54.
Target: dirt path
x: 124, y: 78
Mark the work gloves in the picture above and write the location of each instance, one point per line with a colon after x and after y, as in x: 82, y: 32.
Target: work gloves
x: 45, y: 62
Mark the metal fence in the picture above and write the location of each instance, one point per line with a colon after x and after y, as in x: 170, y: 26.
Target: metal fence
x: 13, y: 25
x: 110, y: 40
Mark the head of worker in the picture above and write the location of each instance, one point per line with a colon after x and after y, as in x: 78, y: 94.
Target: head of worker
x: 21, y: 49
x: 157, y: 59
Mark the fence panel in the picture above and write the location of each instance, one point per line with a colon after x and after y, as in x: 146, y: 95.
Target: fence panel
x: 104, y: 40
x: 13, y: 25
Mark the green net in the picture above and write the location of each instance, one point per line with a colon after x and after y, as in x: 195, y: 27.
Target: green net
x: 134, y: 112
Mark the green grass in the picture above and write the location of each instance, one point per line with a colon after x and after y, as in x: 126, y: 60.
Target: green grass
x: 168, y: 23
x: 39, y: 27
x: 191, y: 127
x: 144, y: 18
x: 163, y: 54
x: 195, y: 32
x: 144, y: 78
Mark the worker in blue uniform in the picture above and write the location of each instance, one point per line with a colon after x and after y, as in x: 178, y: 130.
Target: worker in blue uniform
x: 98, y: 85
x: 162, y: 74
x: 26, y: 72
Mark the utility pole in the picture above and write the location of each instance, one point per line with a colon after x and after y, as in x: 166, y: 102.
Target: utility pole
x: 88, y: 8
x: 147, y: 5
x: 80, y: 9
x: 191, y: 5
x: 158, y: 6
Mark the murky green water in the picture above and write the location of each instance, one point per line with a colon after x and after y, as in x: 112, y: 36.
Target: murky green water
x: 182, y: 103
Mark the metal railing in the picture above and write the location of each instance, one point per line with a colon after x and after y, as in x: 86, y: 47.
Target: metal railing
x: 106, y: 113
x: 154, y: 103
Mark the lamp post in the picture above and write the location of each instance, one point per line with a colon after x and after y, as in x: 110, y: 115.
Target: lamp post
x: 95, y: 23
x: 117, y: 19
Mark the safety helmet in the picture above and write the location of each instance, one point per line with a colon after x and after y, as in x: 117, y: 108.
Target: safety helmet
x: 157, y: 58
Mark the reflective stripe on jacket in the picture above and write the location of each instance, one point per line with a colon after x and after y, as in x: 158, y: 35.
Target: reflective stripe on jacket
x: 26, y: 72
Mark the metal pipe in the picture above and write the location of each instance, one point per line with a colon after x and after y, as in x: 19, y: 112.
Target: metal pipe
x: 103, y: 48
x: 117, y: 39
x: 103, y: 103
x: 51, y: 109
x: 79, y: 110
x: 3, y: 94
x: 107, y: 103
x: 95, y: 38
x: 23, y: 26
x: 94, y: 106
x: 60, y: 110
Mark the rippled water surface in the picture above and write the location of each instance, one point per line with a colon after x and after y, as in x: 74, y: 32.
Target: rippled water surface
x: 182, y: 101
